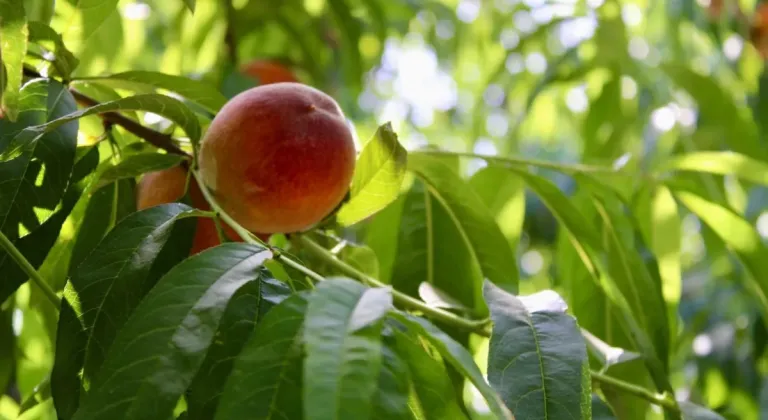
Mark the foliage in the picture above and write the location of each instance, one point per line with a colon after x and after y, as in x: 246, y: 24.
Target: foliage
x: 559, y: 210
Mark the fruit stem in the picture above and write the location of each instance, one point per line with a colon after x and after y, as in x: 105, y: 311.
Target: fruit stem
x: 561, y: 167
x: 247, y: 235
x: 477, y: 326
x: 17, y: 256
x: 663, y: 400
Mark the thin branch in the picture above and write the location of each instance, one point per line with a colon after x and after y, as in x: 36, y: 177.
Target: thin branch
x: 663, y: 400
x: 17, y: 256
x: 230, y: 38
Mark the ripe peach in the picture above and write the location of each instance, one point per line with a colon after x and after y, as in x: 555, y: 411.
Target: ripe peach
x: 167, y: 186
x: 278, y: 158
x: 268, y: 72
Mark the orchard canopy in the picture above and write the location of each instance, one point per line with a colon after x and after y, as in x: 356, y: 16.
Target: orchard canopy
x: 383, y: 209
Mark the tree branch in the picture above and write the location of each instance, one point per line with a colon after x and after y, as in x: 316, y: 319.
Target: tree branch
x: 663, y: 400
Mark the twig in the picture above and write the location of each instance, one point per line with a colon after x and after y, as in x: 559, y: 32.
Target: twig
x: 230, y: 38
x: 662, y: 400
x: 17, y: 256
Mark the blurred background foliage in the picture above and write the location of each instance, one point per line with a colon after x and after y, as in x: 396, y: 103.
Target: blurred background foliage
x: 625, y: 83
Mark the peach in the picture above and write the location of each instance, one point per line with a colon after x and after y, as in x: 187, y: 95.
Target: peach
x: 268, y: 72
x: 278, y: 158
x: 167, y: 186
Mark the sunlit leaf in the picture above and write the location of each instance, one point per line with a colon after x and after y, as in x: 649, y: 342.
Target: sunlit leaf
x: 13, y: 32
x: 135, y: 165
x: 537, y: 359
x: 158, y: 104
x: 378, y: 175
x: 64, y: 62
x: 166, y: 339
x: 472, y: 218
x: 740, y: 237
x: 504, y: 195
x: 196, y: 91
x: 721, y: 163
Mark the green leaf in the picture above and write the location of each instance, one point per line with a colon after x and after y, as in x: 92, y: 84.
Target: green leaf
x: 537, y: 359
x: 88, y: 17
x: 266, y: 380
x: 106, y: 287
x: 34, y: 183
x: 378, y: 175
x: 696, y: 412
x: 601, y: 410
x: 135, y: 165
x: 720, y: 163
x: 717, y: 107
x: 158, y: 104
x: 190, y: 5
x: 472, y: 218
x: 391, y: 399
x: 349, y: 54
x: 13, y: 32
x: 342, y: 341
x: 432, y: 387
x: 740, y: 237
x: 662, y: 230
x: 248, y: 307
x: 504, y: 195
x: 458, y: 357
x: 64, y: 62
x: 39, y: 10
x: 166, y: 339
x: 106, y: 207
x: 430, y: 248
x: 196, y: 91
x: 44, y: 208
x: 7, y: 347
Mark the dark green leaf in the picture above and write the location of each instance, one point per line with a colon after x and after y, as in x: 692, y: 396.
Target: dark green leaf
x: 7, y: 347
x: 105, y: 288
x: 166, y: 339
x: 135, y: 165
x: 34, y: 183
x: 601, y: 410
x: 391, y: 399
x: 266, y: 380
x: 378, y: 175
x: 158, y: 104
x: 537, y: 360
x: 106, y: 207
x: 473, y: 219
x: 458, y: 357
x: 196, y: 91
x: 248, y: 306
x: 432, y: 387
x: 349, y: 28
x: 13, y: 32
x: 342, y: 341
x: 430, y: 248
